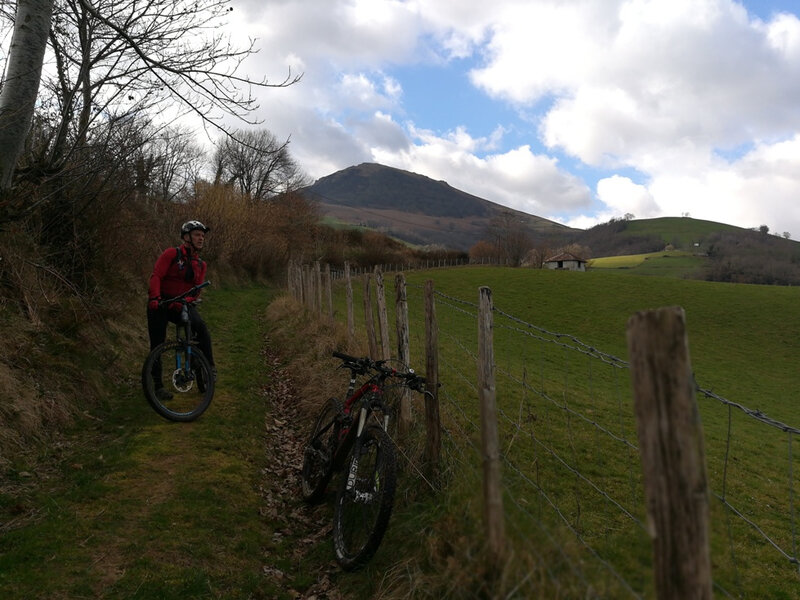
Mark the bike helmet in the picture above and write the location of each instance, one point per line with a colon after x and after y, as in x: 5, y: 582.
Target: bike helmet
x: 190, y: 226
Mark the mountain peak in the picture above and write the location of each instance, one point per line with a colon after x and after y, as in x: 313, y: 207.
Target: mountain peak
x: 413, y: 207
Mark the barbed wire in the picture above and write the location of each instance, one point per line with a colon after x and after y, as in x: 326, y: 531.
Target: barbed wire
x: 754, y: 413
x: 580, y: 415
x: 579, y: 346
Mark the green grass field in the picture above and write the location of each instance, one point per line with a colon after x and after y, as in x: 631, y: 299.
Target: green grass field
x: 672, y: 263
x: 680, y: 232
x: 567, y: 428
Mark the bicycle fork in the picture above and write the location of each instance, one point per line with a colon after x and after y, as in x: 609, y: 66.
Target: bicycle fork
x: 353, y: 473
x: 183, y: 361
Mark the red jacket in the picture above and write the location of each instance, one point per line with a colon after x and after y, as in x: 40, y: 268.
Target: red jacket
x: 169, y: 273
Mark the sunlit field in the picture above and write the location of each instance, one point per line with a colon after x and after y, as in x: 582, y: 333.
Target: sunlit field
x: 572, y: 478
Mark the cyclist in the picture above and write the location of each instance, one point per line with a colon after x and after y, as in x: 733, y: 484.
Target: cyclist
x: 176, y: 271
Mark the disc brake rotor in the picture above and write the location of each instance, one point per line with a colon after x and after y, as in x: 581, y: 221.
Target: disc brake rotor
x: 181, y: 382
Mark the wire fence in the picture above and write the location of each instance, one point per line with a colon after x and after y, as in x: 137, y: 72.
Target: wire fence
x: 571, y: 478
x: 571, y: 467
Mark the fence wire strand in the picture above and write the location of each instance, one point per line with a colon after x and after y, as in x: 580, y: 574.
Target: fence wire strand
x: 568, y: 448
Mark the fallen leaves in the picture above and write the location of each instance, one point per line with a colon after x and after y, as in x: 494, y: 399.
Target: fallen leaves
x: 296, y: 524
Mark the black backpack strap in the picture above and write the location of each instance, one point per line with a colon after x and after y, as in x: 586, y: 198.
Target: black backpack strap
x: 178, y: 257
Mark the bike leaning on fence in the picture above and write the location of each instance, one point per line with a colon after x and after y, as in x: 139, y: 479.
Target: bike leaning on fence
x: 351, y: 437
x: 181, y: 368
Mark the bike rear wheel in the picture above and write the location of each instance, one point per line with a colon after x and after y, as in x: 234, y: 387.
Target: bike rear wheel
x: 365, y: 499
x: 318, y: 452
x: 178, y: 386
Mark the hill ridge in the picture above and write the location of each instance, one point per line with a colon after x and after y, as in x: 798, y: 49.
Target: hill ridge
x: 415, y: 207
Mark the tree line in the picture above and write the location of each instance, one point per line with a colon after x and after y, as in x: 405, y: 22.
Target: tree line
x: 96, y: 169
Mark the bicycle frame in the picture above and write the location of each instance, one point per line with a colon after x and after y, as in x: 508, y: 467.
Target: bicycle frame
x: 348, y: 435
x: 184, y: 365
x: 177, y: 379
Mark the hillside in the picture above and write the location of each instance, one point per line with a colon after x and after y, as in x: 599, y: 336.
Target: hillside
x: 706, y: 250
x: 418, y: 210
x: 415, y: 208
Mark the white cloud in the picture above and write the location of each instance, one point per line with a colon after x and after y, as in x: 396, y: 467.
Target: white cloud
x: 382, y: 132
x: 537, y: 48
x: 623, y: 195
x: 357, y: 91
x: 517, y: 178
x: 671, y: 89
x: 761, y: 188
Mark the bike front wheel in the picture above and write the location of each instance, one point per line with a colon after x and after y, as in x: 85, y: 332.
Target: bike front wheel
x: 318, y: 452
x: 365, y: 499
x: 177, y: 380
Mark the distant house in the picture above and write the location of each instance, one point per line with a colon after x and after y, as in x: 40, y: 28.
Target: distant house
x: 566, y: 261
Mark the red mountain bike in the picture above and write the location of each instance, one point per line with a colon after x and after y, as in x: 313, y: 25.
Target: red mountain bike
x: 351, y: 437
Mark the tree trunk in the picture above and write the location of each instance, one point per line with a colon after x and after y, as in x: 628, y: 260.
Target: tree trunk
x: 21, y: 86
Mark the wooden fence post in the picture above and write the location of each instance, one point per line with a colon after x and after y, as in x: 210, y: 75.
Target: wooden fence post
x: 306, y: 286
x: 328, y: 290
x: 297, y: 281
x: 383, y: 318
x: 300, y: 282
x: 403, y: 352
x: 672, y: 453
x: 433, y: 438
x: 368, y: 318
x: 490, y: 443
x: 351, y: 324
x: 317, y: 287
x: 290, y: 279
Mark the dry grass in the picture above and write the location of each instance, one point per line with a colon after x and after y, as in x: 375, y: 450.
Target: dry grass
x: 254, y: 239
x: 451, y: 562
x: 72, y: 305
x: 305, y: 344
x: 435, y: 546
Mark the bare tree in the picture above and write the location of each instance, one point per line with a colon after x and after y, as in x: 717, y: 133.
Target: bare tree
x: 483, y: 251
x: 538, y: 255
x: 509, y: 234
x: 179, y: 163
x: 117, y: 58
x: 258, y: 165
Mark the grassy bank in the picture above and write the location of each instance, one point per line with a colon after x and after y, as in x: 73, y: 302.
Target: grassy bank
x: 131, y: 506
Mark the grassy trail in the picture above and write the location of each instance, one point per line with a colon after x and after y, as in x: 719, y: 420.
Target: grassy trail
x: 132, y: 506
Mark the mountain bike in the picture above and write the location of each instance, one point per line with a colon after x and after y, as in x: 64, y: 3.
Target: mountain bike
x: 189, y: 379
x: 351, y: 437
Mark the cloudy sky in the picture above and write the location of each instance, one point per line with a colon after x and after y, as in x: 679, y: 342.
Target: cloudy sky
x: 573, y: 110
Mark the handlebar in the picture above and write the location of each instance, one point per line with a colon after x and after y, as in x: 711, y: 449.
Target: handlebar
x: 362, y: 366
x: 185, y: 294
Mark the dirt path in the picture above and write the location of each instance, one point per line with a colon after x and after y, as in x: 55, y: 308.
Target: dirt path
x: 308, y: 526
